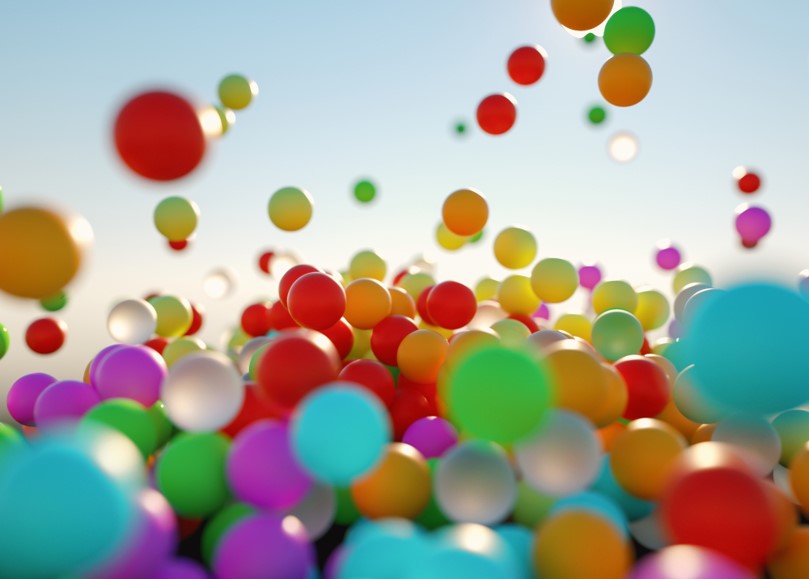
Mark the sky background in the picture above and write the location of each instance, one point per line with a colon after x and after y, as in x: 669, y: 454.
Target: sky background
x: 355, y: 89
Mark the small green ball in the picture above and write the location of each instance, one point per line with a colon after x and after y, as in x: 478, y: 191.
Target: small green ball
x: 364, y: 191
x: 4, y: 340
x: 597, y: 115
x: 460, y: 128
x: 54, y: 303
x: 236, y: 91
x: 589, y: 38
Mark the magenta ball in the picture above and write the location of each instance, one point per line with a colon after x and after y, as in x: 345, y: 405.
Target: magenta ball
x: 752, y: 222
x: 333, y: 564
x: 64, y: 400
x: 431, y: 435
x: 701, y: 563
x: 589, y: 276
x: 153, y: 541
x: 134, y: 372
x: 262, y: 469
x: 668, y: 257
x: 98, y: 358
x: 180, y: 568
x: 543, y: 312
x: 23, y: 396
x: 265, y: 545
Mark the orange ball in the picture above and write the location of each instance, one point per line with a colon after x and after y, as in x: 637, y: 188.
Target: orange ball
x: 581, y: 14
x: 625, y: 80
x: 421, y: 355
x: 793, y: 560
x: 643, y: 455
x: 581, y: 544
x: 368, y: 302
x: 581, y: 382
x: 401, y: 303
x: 465, y: 212
x: 400, y: 485
x: 703, y: 433
x: 615, y: 401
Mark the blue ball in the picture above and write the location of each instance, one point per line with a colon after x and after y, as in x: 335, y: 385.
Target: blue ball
x: 592, y: 502
x: 749, y: 348
x: 633, y: 507
x: 521, y: 541
x: 386, y: 548
x: 339, y: 433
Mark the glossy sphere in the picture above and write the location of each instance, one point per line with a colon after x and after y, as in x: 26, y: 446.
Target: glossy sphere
x: 625, y: 80
x: 368, y: 302
x: 176, y: 218
x: 46, y: 335
x: 581, y: 14
x: 515, y: 247
x: 554, y: 280
x: 387, y: 336
x: 497, y: 113
x: 316, y: 301
x: 527, y: 64
x: 465, y: 212
x: 451, y: 305
x: 421, y: 355
x: 290, y: 208
x: 647, y: 386
x: 236, y: 91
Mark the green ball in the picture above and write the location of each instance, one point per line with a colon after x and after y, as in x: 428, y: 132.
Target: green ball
x: 226, y: 117
x: 460, y: 128
x: 54, y: 303
x: 364, y: 191
x: 589, y: 38
x: 236, y: 91
x: 476, y: 237
x: 531, y: 506
x: 191, y: 473
x: 4, y: 340
x: 597, y: 115
x: 432, y: 516
x: 218, y: 525
x: 176, y: 218
x: 630, y: 30
x: 347, y: 512
x: 617, y: 333
x: 130, y: 419
x: 499, y: 394
x: 163, y: 426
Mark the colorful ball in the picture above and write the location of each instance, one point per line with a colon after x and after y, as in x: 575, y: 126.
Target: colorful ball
x: 554, y: 280
x: 46, y: 335
x: 497, y: 113
x: 290, y: 208
x: 132, y: 321
x: 614, y: 294
x: 368, y: 302
x: 421, y: 355
x: 629, y: 30
x: 667, y: 255
x: 581, y: 14
x: 451, y: 305
x: 625, y: 80
x: 364, y: 191
x: 23, y: 394
x: 617, y: 333
x: 236, y: 91
x: 176, y: 218
x: 515, y: 247
x: 527, y: 64
x: 465, y: 212
x: 316, y: 301
x: 134, y: 372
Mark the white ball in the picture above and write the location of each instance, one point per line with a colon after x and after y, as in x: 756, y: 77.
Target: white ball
x: 316, y: 511
x: 132, y: 321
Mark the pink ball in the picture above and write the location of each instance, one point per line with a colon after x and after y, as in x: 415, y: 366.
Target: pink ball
x: 589, y: 276
x: 23, y: 396
x: 134, y: 372
x: 64, y: 400
x: 669, y: 563
x: 752, y: 222
x: 431, y: 435
x: 668, y: 257
x: 262, y: 469
x: 180, y: 568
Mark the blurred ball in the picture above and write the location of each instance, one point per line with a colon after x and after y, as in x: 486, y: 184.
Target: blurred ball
x: 174, y: 315
x: 589, y: 276
x: 432, y: 436
x: 652, y: 310
x: 617, y: 333
x: 629, y: 30
x: 63, y: 401
x: 48, y: 251
x: 236, y: 91
x: 596, y: 115
x: 623, y: 147
x: 317, y: 510
x: 754, y: 438
x: 515, y: 247
x: 752, y: 223
x: 135, y: 372
x: 526, y: 64
x: 581, y: 14
x: 421, y: 355
x: 387, y: 336
x: 465, y: 212
x: 449, y: 240
x: 130, y: 419
x: 647, y: 386
x: 698, y: 562
x: 364, y: 191
x: 158, y: 135
x: 290, y: 208
x: 219, y: 283
x: 368, y: 302
x: 667, y: 255
x: 132, y: 321
x: 23, y: 394
x: 316, y: 301
x: 747, y: 181
x: 554, y: 280
x: 614, y: 294
x: 792, y: 427
x: 579, y: 379
x: 176, y: 218
x: 55, y: 302
x: 497, y: 113
x: 688, y: 273
x: 367, y: 263
x: 625, y: 80
x: 45, y: 335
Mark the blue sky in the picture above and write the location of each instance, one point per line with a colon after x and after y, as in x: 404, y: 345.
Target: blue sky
x: 358, y: 88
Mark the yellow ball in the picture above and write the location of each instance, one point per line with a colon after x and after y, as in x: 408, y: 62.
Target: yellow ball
x: 688, y: 273
x: 176, y: 218
x: 575, y: 324
x: 465, y: 212
x: 516, y: 295
x: 174, y: 315
x: 401, y: 303
x: 180, y: 348
x: 449, y: 240
x: 362, y: 346
x: 368, y: 302
x: 290, y: 208
x: 367, y: 263
x: 581, y: 14
x: 652, y: 309
x: 614, y: 295
x: 512, y: 333
x: 237, y: 92
x: 554, y: 280
x: 581, y: 382
x: 415, y: 283
x: 486, y: 289
x: 615, y: 400
x: 40, y: 251
x: 625, y: 80
x: 515, y: 247
x: 421, y: 355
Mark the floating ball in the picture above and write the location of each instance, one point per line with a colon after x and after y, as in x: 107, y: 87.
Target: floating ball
x: 368, y: 302
x: 176, y: 218
x: 130, y: 419
x: 62, y: 401
x: 174, y: 315
x: 421, y: 355
x: 55, y: 302
x: 449, y: 240
x: 367, y: 263
x: 497, y: 113
x: 752, y: 223
x: 614, y: 294
x: 515, y: 247
x: 527, y: 64
x: 747, y: 181
x: 316, y: 301
x: 623, y: 147
x: 579, y: 379
x: 23, y: 394
x: 554, y: 280
x: 581, y: 14
x: 236, y: 91
x: 48, y: 251
x: 134, y: 372
x: 589, y: 276
x: 317, y: 510
x: 132, y: 321
x: 701, y: 563
x: 625, y: 80
x: 465, y: 212
x: 792, y: 427
x: 596, y: 115
x: 290, y: 208
x: 364, y: 191
x: 451, y: 305
x: 387, y: 336
x: 667, y: 255
x: 617, y: 333
x: 158, y: 135
x: 629, y: 30
x: 431, y: 436
x: 46, y: 335
x: 647, y: 386
x: 219, y: 283
x: 753, y: 438
x: 382, y: 549
x: 688, y: 273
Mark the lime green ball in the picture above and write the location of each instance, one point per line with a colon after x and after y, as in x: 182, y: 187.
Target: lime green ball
x: 237, y: 92
x: 174, y: 315
x: 617, y: 333
x: 614, y: 294
x: 163, y: 426
x: 4, y: 340
x: 347, y: 512
x: 54, y: 303
x: 554, y: 280
x: 130, y: 419
x: 630, y: 30
x: 432, y: 516
x: 181, y: 347
x: 191, y: 473
x: 689, y: 273
x: 290, y: 208
x: 476, y: 237
x: 364, y: 191
x: 176, y: 218
x: 531, y: 507
x: 218, y: 525
x: 597, y: 115
x: 499, y: 394
x: 652, y: 310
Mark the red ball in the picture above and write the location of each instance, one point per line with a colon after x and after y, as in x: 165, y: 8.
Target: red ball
x: 526, y: 321
x: 388, y: 334
x: 46, y: 335
x: 158, y: 136
x: 157, y: 344
x: 264, y: 261
x: 280, y: 318
x: 196, y: 320
x: 428, y: 389
x: 647, y: 387
x: 291, y: 276
x: 256, y: 320
x: 714, y: 501
x: 316, y: 301
x: 497, y: 113
x: 372, y: 376
x: 451, y: 305
x: 408, y: 406
x: 341, y: 335
x: 294, y: 364
x: 421, y: 306
x: 178, y: 245
x: 254, y: 408
x: 526, y: 64
x: 749, y: 183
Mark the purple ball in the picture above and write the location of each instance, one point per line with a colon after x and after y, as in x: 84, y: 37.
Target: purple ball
x: 431, y: 436
x: 180, y: 568
x: 23, y: 396
x: 262, y: 469
x: 134, y: 372
x: 589, y: 276
x: 98, y: 358
x: 64, y: 400
x: 668, y: 257
x: 542, y: 312
x: 334, y: 562
x: 152, y: 542
x: 265, y: 545
x: 688, y: 561
x: 752, y: 222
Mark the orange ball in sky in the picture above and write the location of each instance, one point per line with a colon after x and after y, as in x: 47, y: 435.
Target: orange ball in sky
x: 625, y: 80
x: 465, y: 212
x: 581, y: 14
